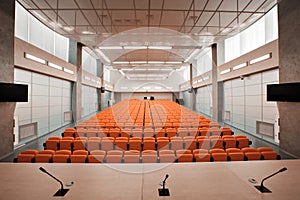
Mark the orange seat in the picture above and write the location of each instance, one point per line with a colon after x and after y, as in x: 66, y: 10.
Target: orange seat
x: 202, y: 157
x: 149, y: 143
x: 167, y: 158
x: 190, y: 143
x: 93, y: 145
x: 26, y: 157
x: 162, y: 144
x: 216, y: 142
x: 69, y: 132
x: 52, y: 144
x: 204, y: 143
x: 78, y: 158
x: 95, y: 158
x: 107, y: 144
x: 132, y: 158
x: 217, y: 157
x: 236, y: 156
x: 61, y: 158
x: 30, y: 151
x: 79, y: 144
x: 226, y: 131
x: 113, y: 158
x: 80, y: 152
x: 269, y: 155
x: 176, y: 143
x: 65, y: 152
x: 121, y: 144
x: 149, y: 158
x: 261, y: 149
x: 216, y: 150
x: 242, y: 142
x: 252, y: 155
x: 43, y: 158
x: 229, y: 142
x: 184, y: 155
x: 65, y: 144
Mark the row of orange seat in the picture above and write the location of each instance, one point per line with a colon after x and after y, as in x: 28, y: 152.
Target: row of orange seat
x: 146, y: 132
x: 146, y: 143
x: 147, y: 156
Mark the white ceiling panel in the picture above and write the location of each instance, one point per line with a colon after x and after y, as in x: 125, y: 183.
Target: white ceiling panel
x: 177, y: 4
x: 117, y: 4
x: 229, y: 5
x: 173, y: 18
x: 156, y: 4
x: 68, y: 16
x: 213, y: 4
x: 84, y: 4
x: 41, y: 4
x: 173, y: 23
x: 69, y: 4
x: 226, y: 18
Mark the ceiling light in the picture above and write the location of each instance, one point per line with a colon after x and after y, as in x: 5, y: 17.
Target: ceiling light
x: 160, y: 47
x: 34, y: 58
x: 225, y: 71
x: 173, y: 62
x: 87, y: 32
x: 50, y: 64
x: 262, y: 58
x: 68, y: 71
x: 156, y: 62
x: 123, y: 74
x: 135, y: 47
x: 239, y: 66
x: 138, y: 62
x: 110, y: 47
x: 121, y: 62
x: 68, y: 28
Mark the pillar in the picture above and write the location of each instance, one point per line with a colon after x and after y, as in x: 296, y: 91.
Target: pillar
x: 215, y: 89
x: 7, y: 109
x: 75, y: 57
x: 289, y: 71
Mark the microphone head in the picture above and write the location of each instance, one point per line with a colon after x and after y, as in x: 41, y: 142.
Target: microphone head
x: 167, y: 176
x: 283, y: 169
x: 42, y: 169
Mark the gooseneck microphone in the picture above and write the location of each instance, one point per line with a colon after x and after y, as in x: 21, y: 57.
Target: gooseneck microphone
x: 61, y: 191
x: 262, y: 188
x: 164, y: 182
x: 164, y: 191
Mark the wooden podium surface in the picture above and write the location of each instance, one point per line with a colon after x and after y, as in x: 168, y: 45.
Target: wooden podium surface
x: 222, y: 180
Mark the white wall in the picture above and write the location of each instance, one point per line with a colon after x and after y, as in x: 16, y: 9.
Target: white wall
x: 29, y: 29
x: 125, y: 85
x: 141, y: 95
x: 246, y: 101
x: 48, y: 99
x: 204, y: 100
x: 89, y: 100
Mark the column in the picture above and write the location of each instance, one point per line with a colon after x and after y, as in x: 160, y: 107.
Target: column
x: 289, y: 71
x: 214, y: 76
x: 7, y: 36
x: 75, y: 57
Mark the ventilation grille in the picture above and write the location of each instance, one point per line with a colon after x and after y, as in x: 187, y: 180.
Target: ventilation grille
x: 67, y: 116
x: 227, y: 116
x: 27, y: 130
x: 265, y: 129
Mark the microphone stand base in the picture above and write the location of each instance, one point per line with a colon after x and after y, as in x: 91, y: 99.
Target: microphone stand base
x: 61, y: 193
x: 262, y: 189
x: 163, y: 192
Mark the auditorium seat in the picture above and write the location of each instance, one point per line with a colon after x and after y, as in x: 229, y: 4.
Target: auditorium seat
x: 203, y: 131
x: 204, y: 143
x: 149, y: 143
x: 114, y: 158
x: 52, y: 144
x: 107, y: 143
x: 235, y: 156
x: 162, y: 143
x: 92, y: 132
x: 121, y: 143
x: 61, y: 158
x: 176, y: 143
x: 135, y: 143
x: 43, y: 158
x: 184, y: 155
x: 226, y: 131
x: 149, y: 156
x: 93, y: 144
x: 167, y: 158
x: 78, y: 158
x: 201, y: 155
x: 66, y: 143
x: 69, y: 132
x: 229, y: 142
x: 216, y: 142
x: 190, y: 142
x: 25, y: 158
x: 269, y: 155
x: 242, y: 142
x: 217, y: 157
x: 79, y: 143
x: 252, y: 155
x: 133, y: 158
